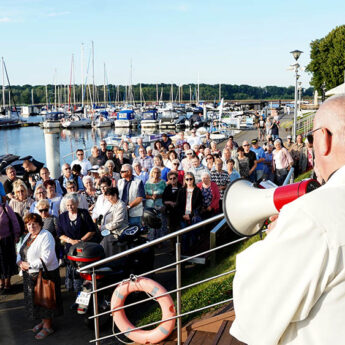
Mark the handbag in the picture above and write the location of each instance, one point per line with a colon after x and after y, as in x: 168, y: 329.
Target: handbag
x: 44, y: 292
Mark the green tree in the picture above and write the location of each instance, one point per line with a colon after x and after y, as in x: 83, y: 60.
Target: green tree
x: 327, y: 56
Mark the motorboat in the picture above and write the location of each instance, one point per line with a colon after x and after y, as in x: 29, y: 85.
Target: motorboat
x: 149, y: 119
x: 9, y: 118
x: 102, y: 120
x: 75, y: 121
x: 171, y: 118
x: 53, y: 119
x: 126, y: 119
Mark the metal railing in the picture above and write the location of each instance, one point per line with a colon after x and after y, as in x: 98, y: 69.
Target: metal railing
x: 179, y: 288
x: 305, y: 124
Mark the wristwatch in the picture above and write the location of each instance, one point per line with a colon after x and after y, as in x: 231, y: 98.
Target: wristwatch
x: 128, y: 207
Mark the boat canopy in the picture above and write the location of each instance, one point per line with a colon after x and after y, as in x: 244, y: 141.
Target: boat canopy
x: 125, y: 115
x: 150, y: 115
x: 55, y: 116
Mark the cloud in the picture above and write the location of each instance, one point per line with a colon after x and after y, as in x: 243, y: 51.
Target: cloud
x: 5, y: 20
x: 57, y: 14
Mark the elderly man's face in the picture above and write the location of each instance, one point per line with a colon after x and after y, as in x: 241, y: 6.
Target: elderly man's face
x: 137, y: 168
x: 11, y: 173
x: 142, y: 153
x: 67, y: 170
x: 246, y: 146
x: 44, y: 173
x: 95, y: 152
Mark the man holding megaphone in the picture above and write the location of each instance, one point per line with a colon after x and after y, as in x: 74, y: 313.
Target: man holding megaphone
x: 290, y: 287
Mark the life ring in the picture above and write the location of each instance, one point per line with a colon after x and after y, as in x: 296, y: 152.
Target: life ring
x: 166, y: 303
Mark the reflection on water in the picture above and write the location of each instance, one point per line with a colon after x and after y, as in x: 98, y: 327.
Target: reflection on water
x: 26, y: 141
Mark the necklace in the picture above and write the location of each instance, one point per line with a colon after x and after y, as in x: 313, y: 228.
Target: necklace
x: 30, y: 240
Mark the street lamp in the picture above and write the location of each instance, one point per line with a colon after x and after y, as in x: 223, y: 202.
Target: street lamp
x: 296, y: 54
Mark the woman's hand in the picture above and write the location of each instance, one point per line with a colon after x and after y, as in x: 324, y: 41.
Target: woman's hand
x: 24, y: 265
x: 73, y: 242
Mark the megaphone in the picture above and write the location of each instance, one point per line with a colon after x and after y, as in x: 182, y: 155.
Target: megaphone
x: 246, y: 207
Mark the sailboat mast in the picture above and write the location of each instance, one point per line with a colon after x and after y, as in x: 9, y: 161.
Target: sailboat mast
x: 55, y: 90
x: 47, y: 97
x: 220, y: 92
x: 3, y: 83
x: 82, y: 75
x: 198, y: 93
x: 157, y: 92
x: 93, y: 73
x: 104, y: 95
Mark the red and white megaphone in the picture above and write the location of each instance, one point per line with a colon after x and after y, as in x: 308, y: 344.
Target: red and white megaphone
x: 246, y: 207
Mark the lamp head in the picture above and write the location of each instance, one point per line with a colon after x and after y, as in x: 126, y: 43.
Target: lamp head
x: 296, y: 54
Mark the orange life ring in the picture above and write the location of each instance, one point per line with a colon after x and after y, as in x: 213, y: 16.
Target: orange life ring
x: 151, y: 287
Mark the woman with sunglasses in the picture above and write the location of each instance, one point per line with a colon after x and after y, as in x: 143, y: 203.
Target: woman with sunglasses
x: 169, y: 199
x: 21, y: 202
x: 39, y: 194
x: 210, y: 162
x: 189, y: 203
x: 49, y: 223
x: 176, y: 167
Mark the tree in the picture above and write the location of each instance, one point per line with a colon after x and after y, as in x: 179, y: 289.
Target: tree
x: 327, y: 63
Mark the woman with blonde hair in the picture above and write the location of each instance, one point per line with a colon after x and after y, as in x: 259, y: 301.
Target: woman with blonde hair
x: 21, y: 202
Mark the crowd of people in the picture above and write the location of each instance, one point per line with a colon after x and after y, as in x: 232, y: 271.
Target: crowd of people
x: 41, y: 217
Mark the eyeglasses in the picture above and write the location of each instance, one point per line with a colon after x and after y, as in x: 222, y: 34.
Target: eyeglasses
x: 80, y: 154
x: 176, y: 163
x: 172, y: 178
x: 209, y: 159
x: 40, y: 192
x: 123, y: 171
x: 188, y: 179
x: 67, y: 169
x: 245, y: 145
x: 189, y: 154
x: 314, y: 130
x: 43, y: 210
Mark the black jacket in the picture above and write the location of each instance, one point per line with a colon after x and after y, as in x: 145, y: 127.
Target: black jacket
x: 196, y: 201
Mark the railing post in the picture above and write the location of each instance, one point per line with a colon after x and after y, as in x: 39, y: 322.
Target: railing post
x: 178, y: 293
x: 95, y: 306
x: 213, y: 244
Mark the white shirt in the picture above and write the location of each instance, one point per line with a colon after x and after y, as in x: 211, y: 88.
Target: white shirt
x: 194, y: 141
x: 290, y: 287
x: 42, y: 247
x: 102, y: 206
x: 85, y: 165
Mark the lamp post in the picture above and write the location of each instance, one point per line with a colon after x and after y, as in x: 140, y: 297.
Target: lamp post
x: 296, y: 54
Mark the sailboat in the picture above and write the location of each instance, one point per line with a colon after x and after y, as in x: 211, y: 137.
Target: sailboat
x: 9, y: 116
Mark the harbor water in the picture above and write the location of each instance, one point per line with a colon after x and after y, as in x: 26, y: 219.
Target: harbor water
x: 25, y: 141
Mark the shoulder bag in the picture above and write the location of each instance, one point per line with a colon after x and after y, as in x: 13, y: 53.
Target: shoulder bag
x: 44, y: 292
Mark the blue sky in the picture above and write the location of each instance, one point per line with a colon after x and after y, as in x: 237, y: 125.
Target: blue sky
x: 222, y: 41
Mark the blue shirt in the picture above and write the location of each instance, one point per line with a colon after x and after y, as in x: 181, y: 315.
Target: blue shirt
x: 260, y: 153
x: 234, y: 175
x: 144, y: 176
x: 2, y: 190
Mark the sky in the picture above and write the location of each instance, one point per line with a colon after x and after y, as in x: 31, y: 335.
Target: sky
x: 181, y: 42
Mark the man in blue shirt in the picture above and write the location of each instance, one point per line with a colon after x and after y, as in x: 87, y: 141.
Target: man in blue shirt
x: 260, y: 158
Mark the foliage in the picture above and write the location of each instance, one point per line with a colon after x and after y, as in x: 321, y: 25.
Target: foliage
x: 327, y: 63
x: 22, y: 95
x: 207, y: 293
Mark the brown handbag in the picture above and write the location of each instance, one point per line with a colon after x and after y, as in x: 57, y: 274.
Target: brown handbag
x: 44, y: 292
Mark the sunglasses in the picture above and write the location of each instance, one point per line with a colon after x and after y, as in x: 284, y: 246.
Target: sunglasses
x: 172, y: 178
x: 43, y: 210
x: 123, y: 171
x: 189, y: 179
x: 80, y: 154
x: 246, y: 145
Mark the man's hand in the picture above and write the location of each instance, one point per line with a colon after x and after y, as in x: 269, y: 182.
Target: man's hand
x: 273, y: 223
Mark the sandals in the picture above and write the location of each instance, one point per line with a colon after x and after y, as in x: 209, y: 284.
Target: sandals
x: 43, y: 333
x: 38, y: 327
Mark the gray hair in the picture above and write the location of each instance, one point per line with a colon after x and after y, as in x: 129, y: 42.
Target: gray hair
x: 73, y: 197
x: 40, y: 186
x: 129, y: 167
x: 108, y: 163
x: 277, y: 141
x: 206, y: 174
x: 10, y: 167
x: 43, y: 203
x: 87, y: 178
x: 103, y: 170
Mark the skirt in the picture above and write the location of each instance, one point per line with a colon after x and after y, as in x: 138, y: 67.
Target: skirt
x: 8, y: 266
x: 35, y: 312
